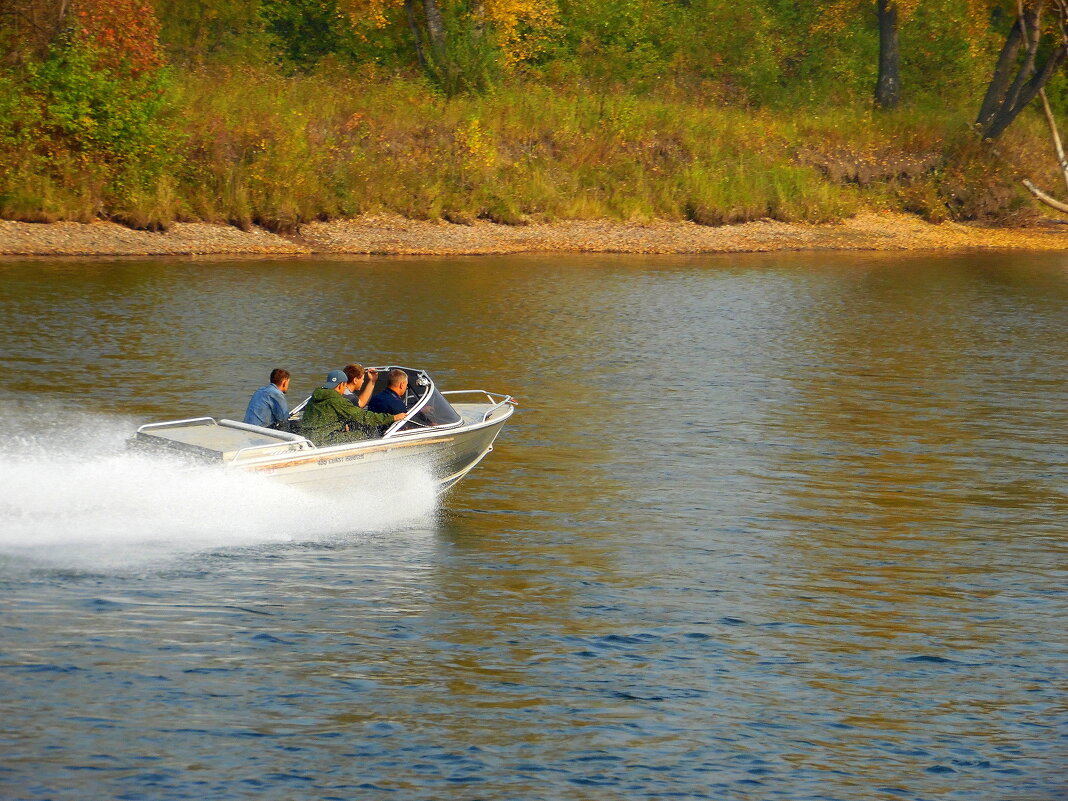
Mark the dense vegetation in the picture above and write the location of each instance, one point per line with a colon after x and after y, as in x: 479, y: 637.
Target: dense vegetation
x: 280, y: 111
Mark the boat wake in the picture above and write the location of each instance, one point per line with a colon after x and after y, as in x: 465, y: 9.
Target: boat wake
x: 85, y: 503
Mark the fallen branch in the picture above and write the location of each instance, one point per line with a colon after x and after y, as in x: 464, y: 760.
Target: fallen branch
x: 1052, y: 202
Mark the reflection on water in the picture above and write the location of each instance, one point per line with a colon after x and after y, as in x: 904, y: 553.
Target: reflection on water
x: 763, y: 527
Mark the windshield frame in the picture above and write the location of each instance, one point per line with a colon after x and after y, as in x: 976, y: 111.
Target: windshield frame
x: 421, y: 379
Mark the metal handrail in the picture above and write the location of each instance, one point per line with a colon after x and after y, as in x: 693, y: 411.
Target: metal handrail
x: 255, y: 429
x: 170, y: 423
x: 490, y: 396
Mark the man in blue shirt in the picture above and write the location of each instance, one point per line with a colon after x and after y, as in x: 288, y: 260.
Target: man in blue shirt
x: 268, y: 407
x: 391, y: 399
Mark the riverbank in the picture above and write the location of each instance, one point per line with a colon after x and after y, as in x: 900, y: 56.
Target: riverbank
x: 394, y: 235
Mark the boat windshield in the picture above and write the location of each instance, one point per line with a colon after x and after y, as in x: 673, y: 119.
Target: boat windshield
x: 435, y: 412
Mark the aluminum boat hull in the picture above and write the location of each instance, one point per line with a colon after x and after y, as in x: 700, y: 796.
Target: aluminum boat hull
x: 444, y: 434
x: 448, y: 455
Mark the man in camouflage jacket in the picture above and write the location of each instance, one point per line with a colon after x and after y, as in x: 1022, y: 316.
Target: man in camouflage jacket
x: 330, y: 419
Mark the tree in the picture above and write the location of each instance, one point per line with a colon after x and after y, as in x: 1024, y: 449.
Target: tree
x: 435, y: 28
x: 451, y: 37
x: 888, y: 84
x: 889, y: 14
x: 1025, y: 64
x: 124, y: 31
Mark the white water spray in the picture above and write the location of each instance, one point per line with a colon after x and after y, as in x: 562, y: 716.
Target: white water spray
x: 72, y: 497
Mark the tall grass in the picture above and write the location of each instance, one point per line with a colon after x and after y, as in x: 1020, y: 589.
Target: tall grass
x: 248, y: 146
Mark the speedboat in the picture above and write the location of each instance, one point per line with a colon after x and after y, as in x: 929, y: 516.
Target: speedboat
x: 448, y: 433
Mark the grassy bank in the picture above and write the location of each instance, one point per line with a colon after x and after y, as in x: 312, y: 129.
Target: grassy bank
x: 252, y: 146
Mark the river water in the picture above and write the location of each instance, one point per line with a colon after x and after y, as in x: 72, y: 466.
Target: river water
x: 763, y: 527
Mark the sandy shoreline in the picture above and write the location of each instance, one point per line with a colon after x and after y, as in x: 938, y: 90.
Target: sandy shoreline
x: 392, y: 235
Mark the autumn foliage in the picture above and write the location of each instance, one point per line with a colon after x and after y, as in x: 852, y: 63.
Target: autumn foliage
x: 520, y: 28
x: 122, y: 32
x: 275, y: 112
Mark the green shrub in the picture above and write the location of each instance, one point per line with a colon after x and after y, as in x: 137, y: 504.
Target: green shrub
x: 84, y: 139
x: 256, y: 146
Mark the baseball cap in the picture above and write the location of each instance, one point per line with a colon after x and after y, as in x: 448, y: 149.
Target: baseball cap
x: 335, y: 377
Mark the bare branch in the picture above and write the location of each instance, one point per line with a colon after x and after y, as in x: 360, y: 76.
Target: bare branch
x: 1052, y: 202
x: 1056, y: 135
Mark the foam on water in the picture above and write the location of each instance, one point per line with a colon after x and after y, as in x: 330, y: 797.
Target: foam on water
x: 72, y: 497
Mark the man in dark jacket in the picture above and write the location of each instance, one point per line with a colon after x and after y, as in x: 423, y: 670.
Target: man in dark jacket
x: 391, y: 399
x: 329, y: 419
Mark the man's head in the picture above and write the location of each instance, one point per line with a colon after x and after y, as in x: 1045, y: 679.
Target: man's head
x: 280, y: 378
x: 355, y: 375
x: 336, y: 380
x: 398, y: 381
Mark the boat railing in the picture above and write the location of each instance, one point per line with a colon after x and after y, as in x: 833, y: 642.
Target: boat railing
x: 289, y: 442
x: 204, y: 421
x: 270, y: 432
x: 497, y: 399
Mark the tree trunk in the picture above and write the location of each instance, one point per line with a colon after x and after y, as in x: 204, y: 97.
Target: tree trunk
x: 888, y: 87
x: 435, y: 28
x: 1009, y: 111
x: 999, y: 83
x: 478, y: 16
x: 1016, y: 81
x: 417, y: 35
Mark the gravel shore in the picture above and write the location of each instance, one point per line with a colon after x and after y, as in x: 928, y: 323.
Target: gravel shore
x: 392, y: 235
